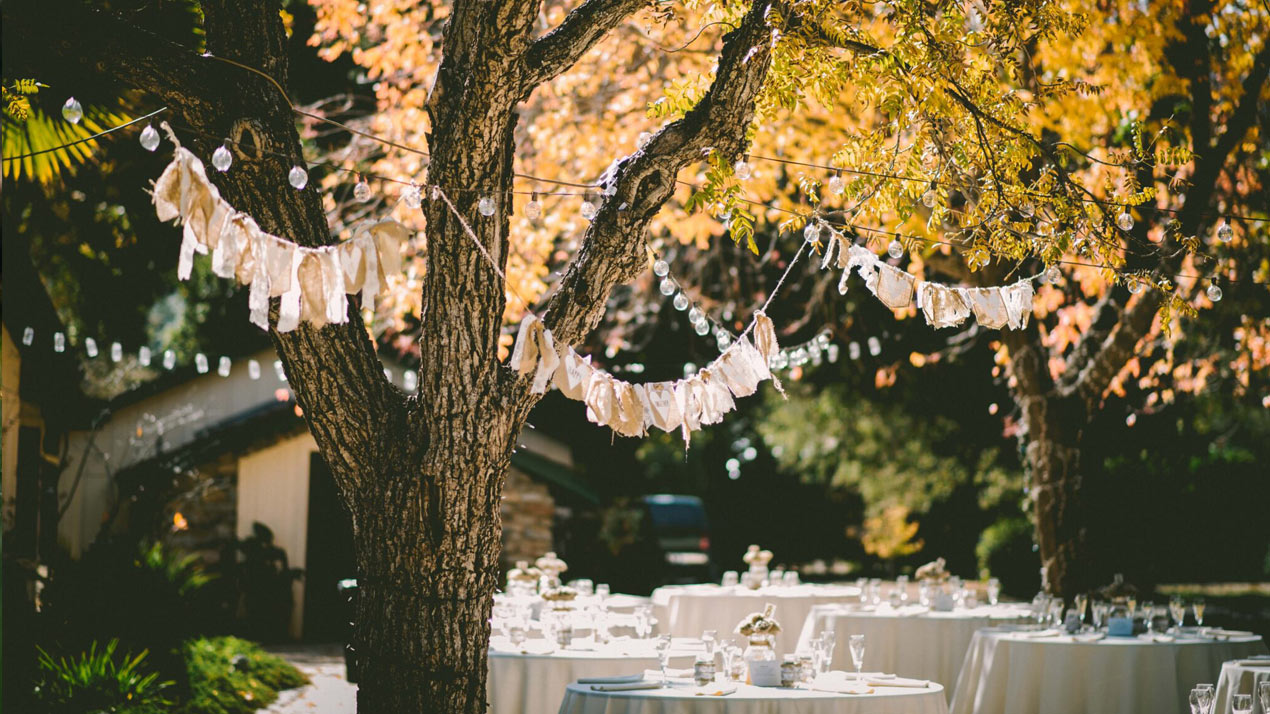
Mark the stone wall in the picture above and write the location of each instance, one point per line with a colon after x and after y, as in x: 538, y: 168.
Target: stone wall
x: 528, y: 511
x: 202, y: 516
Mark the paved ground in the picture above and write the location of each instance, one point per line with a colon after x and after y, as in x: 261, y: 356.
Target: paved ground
x: 330, y: 692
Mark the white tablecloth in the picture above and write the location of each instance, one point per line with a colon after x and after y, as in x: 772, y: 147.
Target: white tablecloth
x: 534, y: 683
x: 1011, y: 673
x: 688, y: 610
x: 1241, y: 677
x: 754, y: 700
x: 910, y: 641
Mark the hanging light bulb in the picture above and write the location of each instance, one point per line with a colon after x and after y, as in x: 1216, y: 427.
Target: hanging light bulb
x: 223, y: 366
x: 1225, y: 232
x: 702, y: 328
x: 587, y: 209
x: 410, y: 380
x: 59, y: 342
x: 149, y: 138
x: 895, y: 249
x: 1213, y: 292
x: 200, y: 363
x: 221, y: 158
x: 169, y: 359
x: 928, y: 198
x: 144, y: 356
x: 298, y: 178
x: 811, y: 233
x: 780, y: 360
x: 1124, y: 220
x: 486, y: 206
x: 533, y: 209
x: 667, y: 287
x: 853, y: 350
x: 253, y: 369
x: 875, y: 346
x: 90, y: 347
x: 741, y: 169
x: 28, y: 336
x: 361, y: 189
x: 1027, y: 210
x: 836, y: 185
x: 72, y: 110
x: 695, y: 315
x: 116, y: 352
x: 661, y: 268
x: 412, y: 197
x: 1135, y: 287
x: 681, y: 302
x: 1052, y: 275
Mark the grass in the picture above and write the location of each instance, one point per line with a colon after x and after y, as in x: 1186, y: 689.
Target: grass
x: 228, y: 675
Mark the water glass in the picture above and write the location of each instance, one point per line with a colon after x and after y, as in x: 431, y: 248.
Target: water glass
x: 1100, y: 610
x: 602, y: 590
x: 776, y: 576
x: 1241, y: 703
x: 1263, y: 690
x: 901, y: 584
x: 856, y: 644
x: 1206, y: 696
x: 1056, y: 612
x: 791, y: 578
x: 663, y: 657
x: 1197, y: 608
x: 1082, y: 607
x: 994, y: 591
x: 585, y: 588
x: 1148, y: 616
x: 923, y: 593
x: 1177, y: 609
x: 827, y: 640
x: 710, y: 639
x: 1196, y: 701
x: 736, y: 663
x: 731, y: 579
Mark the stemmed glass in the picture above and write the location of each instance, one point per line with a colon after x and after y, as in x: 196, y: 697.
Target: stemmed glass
x: 827, y: 639
x: 1197, y: 607
x: 663, y: 657
x: 1100, y: 610
x: 1263, y: 690
x: 1241, y: 704
x: 856, y: 643
x: 643, y: 621
x: 1148, y: 614
x: 1082, y: 607
x: 1203, y: 695
x: 1177, y: 610
x: 994, y: 591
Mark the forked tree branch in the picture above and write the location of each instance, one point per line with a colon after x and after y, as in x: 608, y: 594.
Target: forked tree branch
x: 558, y: 50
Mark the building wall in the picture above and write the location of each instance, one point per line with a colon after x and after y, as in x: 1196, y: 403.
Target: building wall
x: 12, y: 408
x: 527, y: 511
x: 273, y: 489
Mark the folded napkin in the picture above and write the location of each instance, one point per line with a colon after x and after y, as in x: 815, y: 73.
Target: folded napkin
x: 716, y: 691
x: 616, y: 679
x: 625, y: 687
x: 898, y: 682
x: 840, y: 687
x: 670, y: 672
x: 1219, y: 632
x: 1091, y: 637
x: 1040, y: 634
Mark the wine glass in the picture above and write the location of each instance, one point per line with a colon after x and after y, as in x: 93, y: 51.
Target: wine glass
x: 729, y: 651
x: 1197, y: 607
x: 1148, y: 616
x: 1263, y: 689
x: 994, y: 591
x: 1177, y: 610
x: 663, y: 657
x: 602, y: 590
x: 827, y: 640
x: 1132, y: 602
x: 1100, y: 610
x: 1082, y: 607
x: 1196, y: 702
x: 1241, y: 704
x: 856, y: 643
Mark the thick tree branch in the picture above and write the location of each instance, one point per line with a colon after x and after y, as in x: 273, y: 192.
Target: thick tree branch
x: 558, y: 50
x: 614, y: 248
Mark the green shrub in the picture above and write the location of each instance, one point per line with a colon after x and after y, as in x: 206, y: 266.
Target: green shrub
x: 232, y: 676
x: 94, y: 682
x: 1005, y: 551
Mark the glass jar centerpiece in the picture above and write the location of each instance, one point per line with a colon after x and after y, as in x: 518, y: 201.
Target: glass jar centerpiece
x: 760, y: 630
x: 757, y: 559
x: 558, y: 614
x: 550, y: 566
x: 522, y: 580
x: 934, y: 577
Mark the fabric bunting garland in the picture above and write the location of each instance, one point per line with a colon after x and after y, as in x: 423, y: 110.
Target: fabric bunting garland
x: 631, y: 409
x: 942, y: 305
x: 313, y: 283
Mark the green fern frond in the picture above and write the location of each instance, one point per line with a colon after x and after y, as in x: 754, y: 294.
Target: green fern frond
x: 40, y: 131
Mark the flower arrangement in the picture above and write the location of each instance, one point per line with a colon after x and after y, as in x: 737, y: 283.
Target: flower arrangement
x: 757, y: 558
x: 551, y: 564
x: 759, y: 623
x: 934, y: 571
x: 560, y: 594
x: 523, y: 573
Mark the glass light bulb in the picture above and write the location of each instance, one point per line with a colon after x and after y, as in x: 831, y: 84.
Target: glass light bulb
x: 681, y: 302
x: 412, y: 197
x: 223, y: 366
x: 90, y: 347
x: 1225, y: 233
x: 59, y: 342
x: 695, y: 315
x: 1135, y: 287
x: 832, y: 352
x: 642, y: 140
x: 724, y: 341
x: 853, y: 350
x: 72, y: 110
x: 661, y: 268
x: 587, y: 210
x: 667, y: 286
x: 361, y: 190
x: 741, y: 169
x: 410, y: 380
x: 1052, y: 275
x: 200, y: 363
x: 28, y: 336
x: 836, y: 185
x: 702, y: 328
x: 928, y: 198
x: 221, y: 159
x: 149, y: 138
x: 1213, y: 292
x: 169, y: 359
x: 298, y: 177
x: 811, y: 233
x: 1125, y: 221
x: 780, y: 360
x: 533, y: 209
x: 486, y: 206
x: 253, y: 369
x: 1027, y: 210
x: 875, y: 346
x: 895, y: 249
x: 116, y: 352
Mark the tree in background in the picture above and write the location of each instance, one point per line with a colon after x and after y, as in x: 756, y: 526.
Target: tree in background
x: 421, y: 474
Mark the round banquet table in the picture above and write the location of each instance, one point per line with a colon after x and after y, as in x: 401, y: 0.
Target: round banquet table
x: 689, y: 610
x: 747, y: 699
x: 1023, y: 673
x: 531, y: 679
x: 1242, y: 676
x: 910, y: 640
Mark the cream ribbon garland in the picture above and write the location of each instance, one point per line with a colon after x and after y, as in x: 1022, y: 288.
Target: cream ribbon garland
x: 313, y: 283
x: 942, y: 305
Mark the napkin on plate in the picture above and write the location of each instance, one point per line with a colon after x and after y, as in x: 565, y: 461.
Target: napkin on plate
x: 625, y: 687
x: 670, y: 672
x: 614, y: 679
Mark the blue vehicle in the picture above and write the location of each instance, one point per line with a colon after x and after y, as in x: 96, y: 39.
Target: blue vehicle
x: 678, y: 527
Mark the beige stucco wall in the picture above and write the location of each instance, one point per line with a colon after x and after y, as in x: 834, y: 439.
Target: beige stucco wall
x: 273, y: 488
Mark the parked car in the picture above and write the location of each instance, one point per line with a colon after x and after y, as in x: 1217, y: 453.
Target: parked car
x: 677, y: 526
